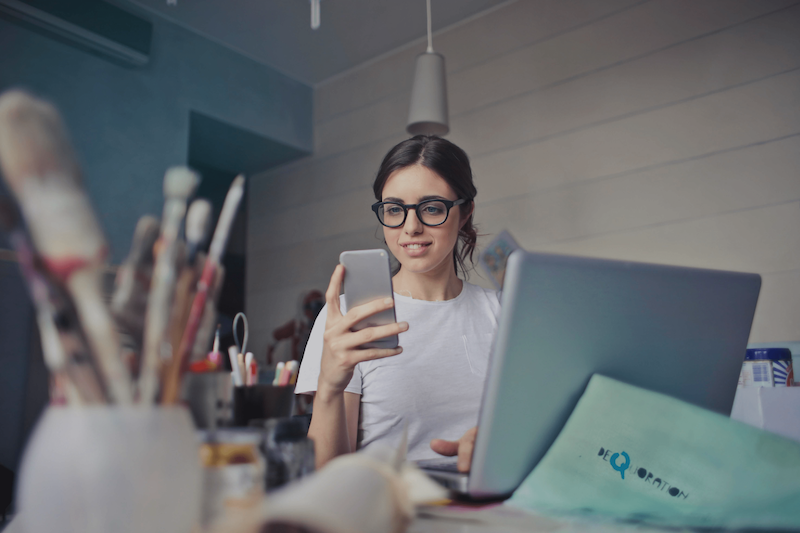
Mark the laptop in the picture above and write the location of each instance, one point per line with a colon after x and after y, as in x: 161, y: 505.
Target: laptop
x: 675, y: 330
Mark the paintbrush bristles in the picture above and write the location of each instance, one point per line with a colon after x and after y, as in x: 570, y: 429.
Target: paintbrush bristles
x: 40, y: 167
x: 179, y: 183
x: 197, y: 221
x: 226, y: 217
x: 33, y: 140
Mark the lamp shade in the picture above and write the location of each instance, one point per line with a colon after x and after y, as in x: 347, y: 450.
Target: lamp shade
x: 427, y: 114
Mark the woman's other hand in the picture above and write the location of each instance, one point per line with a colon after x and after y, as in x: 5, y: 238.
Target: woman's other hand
x: 340, y: 349
x: 462, y: 447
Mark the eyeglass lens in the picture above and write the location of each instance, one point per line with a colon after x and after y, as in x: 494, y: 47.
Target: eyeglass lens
x: 431, y: 213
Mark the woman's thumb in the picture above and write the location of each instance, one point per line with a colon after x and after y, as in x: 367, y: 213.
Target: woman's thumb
x: 445, y: 447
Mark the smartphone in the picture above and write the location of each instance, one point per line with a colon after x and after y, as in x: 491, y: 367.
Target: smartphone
x: 368, y: 277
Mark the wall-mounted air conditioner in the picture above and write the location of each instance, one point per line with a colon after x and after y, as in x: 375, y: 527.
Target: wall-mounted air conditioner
x: 93, y: 25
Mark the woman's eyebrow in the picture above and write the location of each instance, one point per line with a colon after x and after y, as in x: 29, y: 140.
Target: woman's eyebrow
x: 434, y: 197
x: 422, y: 199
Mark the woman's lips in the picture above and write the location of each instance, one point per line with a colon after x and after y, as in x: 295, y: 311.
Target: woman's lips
x: 415, y: 249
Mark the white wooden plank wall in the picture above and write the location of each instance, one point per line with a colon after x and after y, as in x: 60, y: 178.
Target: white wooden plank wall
x: 658, y: 130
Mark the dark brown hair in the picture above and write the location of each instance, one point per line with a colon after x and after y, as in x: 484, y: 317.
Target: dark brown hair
x: 451, y: 163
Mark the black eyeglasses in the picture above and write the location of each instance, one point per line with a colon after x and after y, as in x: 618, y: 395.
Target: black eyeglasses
x: 429, y: 212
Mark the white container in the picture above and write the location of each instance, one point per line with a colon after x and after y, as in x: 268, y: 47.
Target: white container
x: 110, y: 469
x: 772, y: 409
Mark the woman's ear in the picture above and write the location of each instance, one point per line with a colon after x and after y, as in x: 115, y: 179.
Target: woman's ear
x: 465, y: 218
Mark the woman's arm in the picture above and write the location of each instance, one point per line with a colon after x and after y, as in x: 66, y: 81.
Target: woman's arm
x: 334, y: 425
x: 334, y: 422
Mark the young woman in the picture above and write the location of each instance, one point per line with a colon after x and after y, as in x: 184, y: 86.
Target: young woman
x: 433, y: 382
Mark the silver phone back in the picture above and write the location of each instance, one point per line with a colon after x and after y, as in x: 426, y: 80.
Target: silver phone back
x: 368, y: 277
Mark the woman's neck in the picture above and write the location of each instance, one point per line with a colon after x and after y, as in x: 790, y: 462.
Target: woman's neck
x: 430, y: 286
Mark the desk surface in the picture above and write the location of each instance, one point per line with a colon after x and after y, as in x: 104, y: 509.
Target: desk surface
x: 502, y: 519
x: 444, y: 525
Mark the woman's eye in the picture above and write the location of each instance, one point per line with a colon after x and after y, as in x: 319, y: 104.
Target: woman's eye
x: 393, y: 211
x: 433, y: 210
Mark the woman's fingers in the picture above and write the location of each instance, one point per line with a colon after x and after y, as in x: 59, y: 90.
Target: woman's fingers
x: 445, y: 447
x: 332, y: 294
x: 375, y: 353
x: 360, y: 312
x: 462, y: 447
x: 465, y: 446
x: 375, y: 333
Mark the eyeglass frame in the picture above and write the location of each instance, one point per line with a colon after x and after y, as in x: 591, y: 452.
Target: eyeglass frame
x: 449, y: 204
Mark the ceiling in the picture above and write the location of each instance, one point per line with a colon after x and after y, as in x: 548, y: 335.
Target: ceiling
x: 278, y: 33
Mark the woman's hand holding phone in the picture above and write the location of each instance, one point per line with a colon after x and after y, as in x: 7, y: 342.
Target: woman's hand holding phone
x: 341, y: 350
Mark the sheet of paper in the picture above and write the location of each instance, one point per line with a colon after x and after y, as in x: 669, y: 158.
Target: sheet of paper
x: 635, y: 455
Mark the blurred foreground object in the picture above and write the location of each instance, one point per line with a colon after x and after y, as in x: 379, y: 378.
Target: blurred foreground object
x: 41, y: 170
x: 371, y: 491
x: 120, y: 469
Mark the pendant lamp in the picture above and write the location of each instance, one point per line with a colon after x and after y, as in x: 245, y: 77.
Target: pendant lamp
x: 427, y: 114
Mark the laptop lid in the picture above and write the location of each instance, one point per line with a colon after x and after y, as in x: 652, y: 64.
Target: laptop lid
x: 675, y: 330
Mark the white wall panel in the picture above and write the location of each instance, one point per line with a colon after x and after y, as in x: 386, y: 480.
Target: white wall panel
x: 761, y: 240
x: 757, y: 176
x: 778, y: 311
x: 742, y: 116
x: 645, y: 30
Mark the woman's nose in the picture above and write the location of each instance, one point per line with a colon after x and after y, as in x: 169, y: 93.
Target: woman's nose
x: 412, y: 225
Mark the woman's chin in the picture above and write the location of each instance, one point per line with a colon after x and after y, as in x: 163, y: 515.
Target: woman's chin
x: 424, y: 264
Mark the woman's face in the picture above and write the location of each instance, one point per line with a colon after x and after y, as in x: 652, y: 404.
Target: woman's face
x: 420, y: 248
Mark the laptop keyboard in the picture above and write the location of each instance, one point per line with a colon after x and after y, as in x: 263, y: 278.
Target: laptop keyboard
x: 444, y: 465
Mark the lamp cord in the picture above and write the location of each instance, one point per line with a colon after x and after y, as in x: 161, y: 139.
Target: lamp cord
x: 430, y: 37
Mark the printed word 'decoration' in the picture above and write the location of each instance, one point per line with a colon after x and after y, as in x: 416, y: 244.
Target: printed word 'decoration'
x: 621, y: 461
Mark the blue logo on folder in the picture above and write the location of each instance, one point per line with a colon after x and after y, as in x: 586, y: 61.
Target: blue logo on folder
x: 624, y: 466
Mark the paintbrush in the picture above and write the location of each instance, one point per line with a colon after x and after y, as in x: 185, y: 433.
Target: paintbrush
x: 129, y: 302
x: 207, y: 323
x: 205, y: 329
x: 179, y: 184
x: 212, y: 264
x: 72, y: 370
x: 197, y: 222
x: 41, y: 169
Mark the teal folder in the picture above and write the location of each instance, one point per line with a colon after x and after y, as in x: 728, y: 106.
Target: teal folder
x: 630, y: 454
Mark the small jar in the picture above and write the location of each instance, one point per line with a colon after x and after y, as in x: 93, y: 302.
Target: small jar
x: 233, y: 471
x: 767, y: 367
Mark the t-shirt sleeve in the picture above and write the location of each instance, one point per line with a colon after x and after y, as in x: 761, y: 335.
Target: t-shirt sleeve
x: 309, y: 368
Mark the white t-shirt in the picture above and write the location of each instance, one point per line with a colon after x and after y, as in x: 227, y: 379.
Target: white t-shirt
x: 435, y: 384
